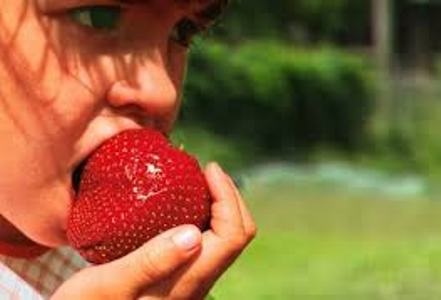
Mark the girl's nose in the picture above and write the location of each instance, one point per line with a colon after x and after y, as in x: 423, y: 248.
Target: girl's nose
x: 151, y: 90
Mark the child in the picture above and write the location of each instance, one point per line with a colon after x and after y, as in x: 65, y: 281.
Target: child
x: 73, y: 74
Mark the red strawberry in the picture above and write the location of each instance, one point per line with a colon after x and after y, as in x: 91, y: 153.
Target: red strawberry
x: 133, y: 187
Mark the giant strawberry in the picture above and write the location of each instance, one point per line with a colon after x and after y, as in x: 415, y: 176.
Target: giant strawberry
x: 133, y: 187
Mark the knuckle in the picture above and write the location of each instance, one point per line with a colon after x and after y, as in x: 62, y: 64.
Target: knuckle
x: 237, y: 243
x: 251, y: 232
x: 196, y: 279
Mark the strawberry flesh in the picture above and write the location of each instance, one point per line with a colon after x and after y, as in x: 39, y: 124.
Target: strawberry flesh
x: 133, y: 187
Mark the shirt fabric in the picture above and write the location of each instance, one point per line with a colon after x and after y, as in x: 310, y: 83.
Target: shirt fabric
x: 37, y: 277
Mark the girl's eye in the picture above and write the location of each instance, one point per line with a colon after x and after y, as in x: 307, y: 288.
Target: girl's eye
x: 184, y: 31
x: 97, y: 17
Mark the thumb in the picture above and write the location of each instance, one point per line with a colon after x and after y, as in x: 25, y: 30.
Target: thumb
x: 155, y: 260
x: 127, y: 276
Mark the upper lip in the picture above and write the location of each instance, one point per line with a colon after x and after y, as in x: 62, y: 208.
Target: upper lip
x: 83, y: 154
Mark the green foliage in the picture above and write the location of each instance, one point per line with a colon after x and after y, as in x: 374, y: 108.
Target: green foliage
x: 277, y: 97
x: 298, y: 20
x: 207, y: 146
x: 404, y: 128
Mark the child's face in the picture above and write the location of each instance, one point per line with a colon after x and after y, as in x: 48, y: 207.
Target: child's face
x: 70, y: 79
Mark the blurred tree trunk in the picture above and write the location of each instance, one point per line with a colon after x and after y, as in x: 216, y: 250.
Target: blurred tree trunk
x: 382, y: 38
x: 382, y: 32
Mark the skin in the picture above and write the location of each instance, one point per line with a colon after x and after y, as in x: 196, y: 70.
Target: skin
x: 65, y: 89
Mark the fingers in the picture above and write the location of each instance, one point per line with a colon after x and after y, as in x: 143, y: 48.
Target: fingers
x: 232, y: 228
x: 232, y: 225
x: 230, y: 214
x: 247, y: 220
x: 226, y: 219
x: 157, y: 259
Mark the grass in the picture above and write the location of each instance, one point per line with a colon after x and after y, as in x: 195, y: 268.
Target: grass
x: 331, y: 244
x: 322, y: 242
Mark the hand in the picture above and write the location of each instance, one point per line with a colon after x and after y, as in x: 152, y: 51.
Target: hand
x: 182, y: 263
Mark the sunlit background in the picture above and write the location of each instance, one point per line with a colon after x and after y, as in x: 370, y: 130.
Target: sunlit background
x: 328, y: 113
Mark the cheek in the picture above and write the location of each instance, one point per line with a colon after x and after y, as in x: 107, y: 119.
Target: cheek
x: 29, y: 53
x: 177, y: 57
x: 49, y: 94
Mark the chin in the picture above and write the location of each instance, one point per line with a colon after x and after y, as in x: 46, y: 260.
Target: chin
x: 48, y: 227
x: 50, y: 233
x: 51, y: 239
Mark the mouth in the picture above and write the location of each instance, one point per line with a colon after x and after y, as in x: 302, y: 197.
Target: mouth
x: 82, y: 157
x: 76, y: 176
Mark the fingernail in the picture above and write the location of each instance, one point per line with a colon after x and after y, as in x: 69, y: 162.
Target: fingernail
x: 187, y: 239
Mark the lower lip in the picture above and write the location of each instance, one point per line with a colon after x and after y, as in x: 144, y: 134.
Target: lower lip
x: 76, y: 177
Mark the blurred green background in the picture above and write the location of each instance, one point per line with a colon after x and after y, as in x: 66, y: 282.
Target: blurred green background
x: 328, y: 114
